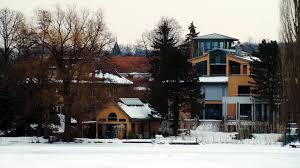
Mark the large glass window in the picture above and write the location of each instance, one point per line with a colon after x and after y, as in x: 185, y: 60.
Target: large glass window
x: 201, y: 46
x: 207, y: 45
x: 221, y: 44
x: 235, y: 68
x: 215, y: 91
x: 201, y: 68
x: 243, y: 90
x: 245, y: 112
x: 217, y: 57
x: 218, y: 69
x: 215, y: 45
x: 213, y: 111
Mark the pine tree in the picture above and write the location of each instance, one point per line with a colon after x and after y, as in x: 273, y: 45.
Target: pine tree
x: 175, y: 86
x: 189, y: 44
x: 192, y: 33
x: 266, y: 74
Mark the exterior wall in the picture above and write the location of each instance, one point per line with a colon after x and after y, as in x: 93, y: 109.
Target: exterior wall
x: 102, y: 116
x: 140, y: 128
x: 235, y: 81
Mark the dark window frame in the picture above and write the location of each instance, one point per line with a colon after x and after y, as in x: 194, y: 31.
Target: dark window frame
x: 112, y: 117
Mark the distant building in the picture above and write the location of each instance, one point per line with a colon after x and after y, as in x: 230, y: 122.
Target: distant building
x: 224, y: 72
x: 116, y: 49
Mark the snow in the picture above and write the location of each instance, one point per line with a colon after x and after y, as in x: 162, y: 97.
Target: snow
x: 140, y: 88
x: 116, y: 155
x: 61, y: 128
x: 137, y: 112
x: 111, y: 78
x: 215, y: 79
x: 210, y: 137
x: 20, y: 140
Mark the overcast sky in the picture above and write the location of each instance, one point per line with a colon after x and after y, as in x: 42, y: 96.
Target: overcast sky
x: 128, y: 19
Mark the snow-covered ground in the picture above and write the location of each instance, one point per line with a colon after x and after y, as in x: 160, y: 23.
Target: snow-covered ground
x: 117, y: 155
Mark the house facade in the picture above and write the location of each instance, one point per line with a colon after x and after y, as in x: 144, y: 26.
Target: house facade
x: 224, y: 72
x: 127, y: 118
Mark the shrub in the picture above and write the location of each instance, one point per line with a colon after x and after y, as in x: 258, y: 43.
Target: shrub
x: 244, y: 133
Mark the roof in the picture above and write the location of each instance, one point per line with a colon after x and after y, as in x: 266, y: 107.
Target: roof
x: 132, y: 101
x: 112, y: 78
x: 140, y: 111
x: 215, y: 36
x: 128, y: 64
x: 244, y: 55
x: 214, y: 79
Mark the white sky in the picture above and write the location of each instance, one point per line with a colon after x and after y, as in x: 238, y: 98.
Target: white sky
x: 128, y: 19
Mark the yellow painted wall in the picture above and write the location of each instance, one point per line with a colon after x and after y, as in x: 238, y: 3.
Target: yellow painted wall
x: 103, y: 114
x: 231, y: 110
x: 235, y: 81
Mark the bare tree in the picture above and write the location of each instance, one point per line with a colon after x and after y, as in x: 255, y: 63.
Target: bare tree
x: 144, y: 43
x: 10, y: 22
x: 290, y: 59
x: 73, y: 40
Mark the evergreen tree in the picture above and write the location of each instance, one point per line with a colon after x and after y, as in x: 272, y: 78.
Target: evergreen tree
x: 266, y: 74
x: 189, y: 44
x: 192, y: 33
x: 175, y: 87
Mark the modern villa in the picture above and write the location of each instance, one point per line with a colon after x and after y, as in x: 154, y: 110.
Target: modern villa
x: 224, y: 70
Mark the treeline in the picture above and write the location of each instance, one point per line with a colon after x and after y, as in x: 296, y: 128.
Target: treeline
x: 42, y: 59
x: 66, y: 39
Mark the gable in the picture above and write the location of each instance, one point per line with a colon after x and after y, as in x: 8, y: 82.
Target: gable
x: 102, y: 115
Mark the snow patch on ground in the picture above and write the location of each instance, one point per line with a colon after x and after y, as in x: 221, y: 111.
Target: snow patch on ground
x: 21, y: 140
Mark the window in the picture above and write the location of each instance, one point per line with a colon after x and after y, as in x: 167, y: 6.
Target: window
x: 258, y: 112
x: 244, y: 69
x: 218, y: 69
x: 201, y: 47
x: 215, y: 91
x: 245, y: 112
x: 221, y: 44
x: 215, y: 45
x: 243, y: 90
x: 112, y: 117
x: 122, y: 120
x: 217, y: 57
x: 234, y: 68
x: 201, y: 68
x: 207, y: 46
x: 213, y: 111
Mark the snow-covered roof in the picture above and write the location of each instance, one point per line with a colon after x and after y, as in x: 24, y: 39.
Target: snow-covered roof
x: 143, y: 111
x: 112, y: 78
x: 213, y: 79
x: 215, y: 36
x: 244, y: 55
x: 132, y: 101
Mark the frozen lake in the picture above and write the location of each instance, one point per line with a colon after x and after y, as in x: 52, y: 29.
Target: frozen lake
x: 147, y: 155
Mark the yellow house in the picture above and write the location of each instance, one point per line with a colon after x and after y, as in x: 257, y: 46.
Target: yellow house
x: 224, y: 72
x: 128, y: 118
